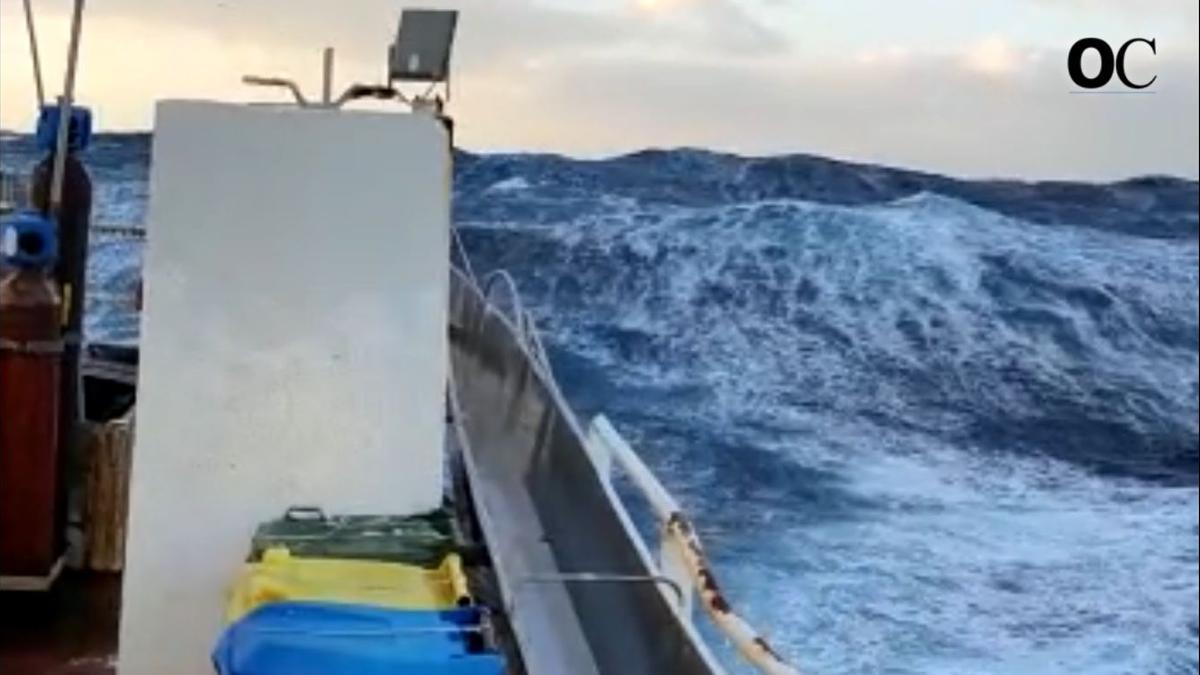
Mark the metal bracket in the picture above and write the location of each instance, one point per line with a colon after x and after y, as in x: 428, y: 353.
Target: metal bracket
x: 260, y: 81
x: 600, y: 577
x: 32, y: 584
x: 32, y: 346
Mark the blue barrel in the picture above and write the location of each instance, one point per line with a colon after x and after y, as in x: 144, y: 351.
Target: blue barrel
x: 310, y: 638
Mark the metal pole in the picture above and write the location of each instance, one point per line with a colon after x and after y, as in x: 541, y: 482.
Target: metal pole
x: 64, y: 119
x: 327, y: 77
x: 33, y: 53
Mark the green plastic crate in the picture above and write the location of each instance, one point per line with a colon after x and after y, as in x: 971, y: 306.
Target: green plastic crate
x: 423, y: 539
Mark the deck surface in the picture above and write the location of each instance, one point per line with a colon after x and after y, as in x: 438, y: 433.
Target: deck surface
x: 70, y: 631
x: 548, y: 631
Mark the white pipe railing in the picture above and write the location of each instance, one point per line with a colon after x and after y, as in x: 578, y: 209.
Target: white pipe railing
x: 681, y: 557
x: 461, y: 249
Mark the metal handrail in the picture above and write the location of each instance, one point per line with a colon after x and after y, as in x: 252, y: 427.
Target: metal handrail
x: 291, y: 86
x: 457, y: 242
x: 520, y: 319
x: 682, y: 558
x: 501, y: 278
x: 604, y: 578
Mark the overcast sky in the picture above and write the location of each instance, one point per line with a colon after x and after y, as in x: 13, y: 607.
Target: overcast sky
x: 975, y: 88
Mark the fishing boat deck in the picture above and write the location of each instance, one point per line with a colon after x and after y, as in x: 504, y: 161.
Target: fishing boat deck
x: 70, y: 631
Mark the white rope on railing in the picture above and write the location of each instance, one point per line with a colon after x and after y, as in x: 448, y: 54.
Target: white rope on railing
x: 678, y: 531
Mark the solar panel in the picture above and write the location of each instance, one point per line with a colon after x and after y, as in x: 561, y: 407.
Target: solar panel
x: 422, y: 48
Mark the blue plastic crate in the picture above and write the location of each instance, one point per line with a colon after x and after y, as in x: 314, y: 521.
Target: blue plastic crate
x: 309, y: 638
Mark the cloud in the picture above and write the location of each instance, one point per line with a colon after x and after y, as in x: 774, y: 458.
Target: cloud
x: 487, y: 28
x: 622, y: 77
x: 923, y: 112
x: 893, y: 55
x: 1180, y: 9
x: 993, y: 56
x: 662, y: 6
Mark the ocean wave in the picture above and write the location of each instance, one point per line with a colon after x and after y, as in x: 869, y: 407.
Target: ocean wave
x: 926, y: 312
x: 1150, y: 206
x: 926, y: 425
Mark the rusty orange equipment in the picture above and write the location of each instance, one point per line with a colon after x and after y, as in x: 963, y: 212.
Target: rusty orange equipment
x: 30, y: 358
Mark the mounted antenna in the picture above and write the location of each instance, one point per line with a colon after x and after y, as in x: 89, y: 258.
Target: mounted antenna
x: 421, y: 52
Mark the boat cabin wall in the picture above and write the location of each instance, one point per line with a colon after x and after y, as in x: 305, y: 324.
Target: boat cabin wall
x: 293, y: 346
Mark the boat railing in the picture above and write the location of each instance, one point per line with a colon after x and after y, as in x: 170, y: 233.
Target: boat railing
x: 680, y: 560
x: 522, y: 320
x: 458, y: 253
x: 14, y: 191
x: 131, y: 232
x: 497, y: 284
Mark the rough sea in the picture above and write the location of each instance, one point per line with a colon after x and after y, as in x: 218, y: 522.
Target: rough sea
x: 925, y: 425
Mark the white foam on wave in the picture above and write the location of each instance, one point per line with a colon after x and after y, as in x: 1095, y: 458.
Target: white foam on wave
x: 513, y: 184
x: 965, y: 560
x: 115, y: 262
x: 984, y: 563
x: 872, y: 272
x: 120, y: 202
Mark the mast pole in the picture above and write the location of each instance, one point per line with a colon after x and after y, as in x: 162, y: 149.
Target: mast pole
x: 327, y: 76
x: 64, y: 113
x: 34, y: 55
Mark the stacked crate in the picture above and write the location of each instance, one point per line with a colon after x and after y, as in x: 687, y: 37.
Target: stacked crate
x: 356, y: 595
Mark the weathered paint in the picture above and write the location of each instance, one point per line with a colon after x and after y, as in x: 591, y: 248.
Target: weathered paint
x: 748, y: 642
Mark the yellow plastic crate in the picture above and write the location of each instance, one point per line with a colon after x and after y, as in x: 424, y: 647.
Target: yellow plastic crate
x: 280, y: 577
